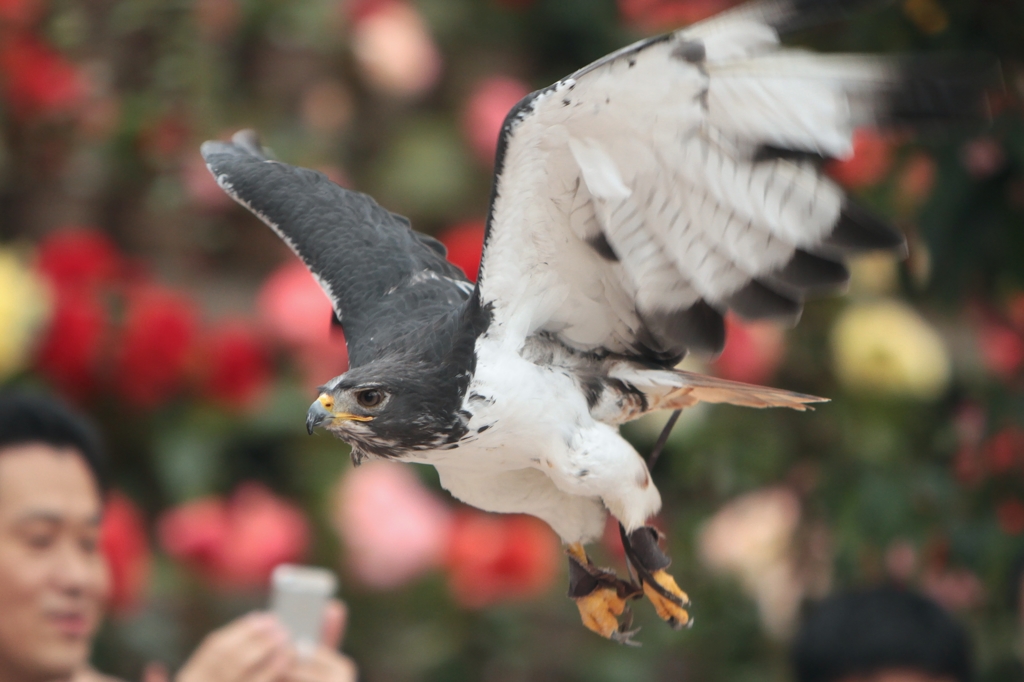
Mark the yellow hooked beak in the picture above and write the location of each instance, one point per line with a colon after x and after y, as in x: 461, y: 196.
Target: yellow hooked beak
x: 322, y: 410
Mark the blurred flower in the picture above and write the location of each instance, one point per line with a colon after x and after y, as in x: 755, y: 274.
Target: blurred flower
x: 982, y: 157
x: 1004, y: 450
x: 235, y: 368
x: 927, y: 15
x: 1001, y: 347
x: 874, y: 273
x: 79, y: 259
x: 21, y: 14
x: 753, y: 539
x: 163, y: 139
x: 326, y: 107
x: 868, y: 163
x: 125, y: 547
x: 236, y: 543
x: 24, y: 308
x: 70, y: 351
x: 393, y: 48
x: 485, y: 112
x: 394, y: 529
x: 1010, y: 514
x: 217, y: 19
x: 916, y: 179
x: 37, y: 80
x: 200, y: 185
x: 956, y: 589
x: 885, y: 346
x: 465, y: 243
x: 297, y: 313
x: 661, y: 14
x: 496, y: 558
x: 753, y: 351
x: 901, y: 560
x: 157, y: 340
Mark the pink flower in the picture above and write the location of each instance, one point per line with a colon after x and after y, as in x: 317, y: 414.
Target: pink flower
x: 485, y: 113
x: 496, y: 558
x: 753, y: 351
x: 982, y: 157
x: 869, y: 163
x: 125, y: 547
x: 957, y: 589
x: 235, y: 369
x: 393, y: 528
x: 236, y: 543
x: 393, y: 48
x: 297, y: 313
x: 201, y: 187
x: 465, y: 244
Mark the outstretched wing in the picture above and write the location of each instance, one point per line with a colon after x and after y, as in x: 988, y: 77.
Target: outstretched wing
x: 639, y: 199
x: 381, y: 276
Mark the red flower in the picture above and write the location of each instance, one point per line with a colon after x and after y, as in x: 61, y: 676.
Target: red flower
x: 870, y: 161
x: 1001, y: 347
x: 79, y: 258
x: 37, y: 79
x: 659, y: 14
x: 753, y: 351
x: 1004, y: 450
x: 1010, y: 514
x: 126, y: 549
x: 236, y: 543
x: 71, y: 349
x: 465, y: 243
x: 235, y: 369
x: 500, y: 558
x: 156, y: 343
x: 20, y: 13
x: 485, y: 113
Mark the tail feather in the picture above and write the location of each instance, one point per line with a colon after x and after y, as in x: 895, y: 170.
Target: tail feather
x: 674, y: 389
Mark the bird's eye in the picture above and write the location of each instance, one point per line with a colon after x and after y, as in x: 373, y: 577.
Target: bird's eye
x: 371, y: 397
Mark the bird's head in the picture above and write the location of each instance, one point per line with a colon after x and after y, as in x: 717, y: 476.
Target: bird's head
x: 384, y: 410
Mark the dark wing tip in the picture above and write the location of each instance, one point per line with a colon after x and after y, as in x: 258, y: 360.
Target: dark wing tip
x: 859, y: 230
x: 786, y: 16
x: 935, y: 90
x: 757, y: 301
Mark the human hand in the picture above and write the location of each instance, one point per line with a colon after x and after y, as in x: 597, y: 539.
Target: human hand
x: 253, y: 648
x: 326, y: 664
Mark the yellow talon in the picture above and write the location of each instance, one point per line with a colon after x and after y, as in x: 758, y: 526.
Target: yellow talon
x: 600, y: 611
x: 670, y: 612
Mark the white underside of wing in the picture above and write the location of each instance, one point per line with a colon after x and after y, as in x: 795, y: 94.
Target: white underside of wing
x: 655, y: 155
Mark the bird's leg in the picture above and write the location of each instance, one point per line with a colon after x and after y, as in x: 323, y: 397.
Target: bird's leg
x: 650, y: 563
x: 601, y: 597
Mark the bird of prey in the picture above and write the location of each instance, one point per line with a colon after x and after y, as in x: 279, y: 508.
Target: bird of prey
x: 634, y: 204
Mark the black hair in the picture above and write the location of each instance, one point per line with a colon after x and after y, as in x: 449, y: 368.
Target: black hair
x: 28, y: 417
x: 862, y: 632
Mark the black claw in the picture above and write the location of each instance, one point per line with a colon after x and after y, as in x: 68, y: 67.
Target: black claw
x: 646, y: 558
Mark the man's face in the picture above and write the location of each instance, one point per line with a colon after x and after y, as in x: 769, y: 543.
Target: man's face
x: 53, y: 581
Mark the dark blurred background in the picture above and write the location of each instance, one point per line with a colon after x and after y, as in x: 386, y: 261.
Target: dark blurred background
x: 133, y: 286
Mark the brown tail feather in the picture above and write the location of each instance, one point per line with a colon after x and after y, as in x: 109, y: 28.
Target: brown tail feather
x: 697, y: 388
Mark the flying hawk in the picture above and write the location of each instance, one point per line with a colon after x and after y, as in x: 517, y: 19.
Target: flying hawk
x: 634, y: 203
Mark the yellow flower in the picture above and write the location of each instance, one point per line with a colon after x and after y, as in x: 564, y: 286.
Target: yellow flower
x: 886, y: 347
x: 24, y: 308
